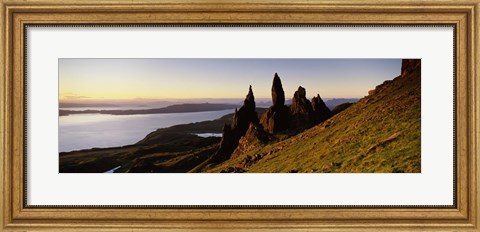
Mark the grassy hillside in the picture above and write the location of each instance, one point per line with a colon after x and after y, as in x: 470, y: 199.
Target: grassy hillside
x: 379, y: 133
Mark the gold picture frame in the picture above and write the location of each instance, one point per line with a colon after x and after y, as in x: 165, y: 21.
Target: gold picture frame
x: 16, y: 14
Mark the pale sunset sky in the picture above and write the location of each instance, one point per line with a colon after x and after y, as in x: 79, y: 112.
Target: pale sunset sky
x: 127, y: 79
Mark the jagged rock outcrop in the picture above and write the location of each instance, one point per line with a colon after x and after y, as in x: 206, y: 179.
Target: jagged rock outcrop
x: 379, y: 88
x: 256, y: 132
x: 277, y: 117
x: 305, y: 114
x: 410, y: 65
x: 301, y: 112
x: 231, y: 134
x: 411, y: 69
x: 226, y: 144
x: 320, y: 110
x: 254, y: 136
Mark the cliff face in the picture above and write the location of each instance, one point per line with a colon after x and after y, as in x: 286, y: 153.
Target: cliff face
x: 277, y: 117
x: 410, y: 65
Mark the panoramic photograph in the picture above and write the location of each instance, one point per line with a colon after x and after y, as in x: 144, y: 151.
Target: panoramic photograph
x: 239, y: 115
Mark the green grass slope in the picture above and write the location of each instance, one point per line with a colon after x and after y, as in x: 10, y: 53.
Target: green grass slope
x: 379, y: 133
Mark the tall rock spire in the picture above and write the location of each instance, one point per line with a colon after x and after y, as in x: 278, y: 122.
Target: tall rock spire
x: 278, y: 96
x: 249, y: 101
x: 277, y: 117
x: 245, y: 115
x: 240, y: 123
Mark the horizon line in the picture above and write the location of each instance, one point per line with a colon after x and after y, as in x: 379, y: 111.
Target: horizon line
x: 164, y: 99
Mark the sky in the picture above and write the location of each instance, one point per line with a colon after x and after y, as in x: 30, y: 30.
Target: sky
x: 185, y: 78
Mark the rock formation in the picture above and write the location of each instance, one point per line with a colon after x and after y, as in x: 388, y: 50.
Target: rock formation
x: 231, y: 134
x: 278, y: 96
x: 226, y: 144
x: 304, y: 114
x: 254, y: 136
x: 248, y: 131
x: 245, y: 115
x: 410, y: 65
x: 301, y: 112
x: 320, y: 110
x: 277, y: 117
x: 410, y: 68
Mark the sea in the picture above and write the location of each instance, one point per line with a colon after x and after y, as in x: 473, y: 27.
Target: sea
x: 85, y: 131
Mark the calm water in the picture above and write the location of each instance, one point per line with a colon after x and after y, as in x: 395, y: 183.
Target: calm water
x: 139, y: 107
x: 84, y: 131
x: 206, y: 135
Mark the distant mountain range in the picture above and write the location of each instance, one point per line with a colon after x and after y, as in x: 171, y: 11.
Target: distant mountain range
x: 332, y: 103
x: 77, y: 105
x: 181, y: 108
x: 177, y: 108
